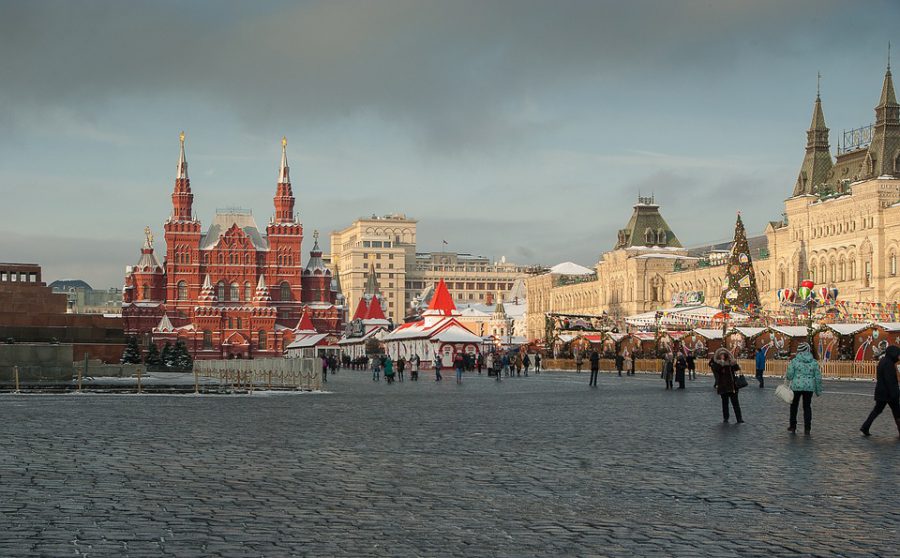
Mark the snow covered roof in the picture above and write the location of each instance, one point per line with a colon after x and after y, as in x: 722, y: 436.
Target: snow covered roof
x: 709, y: 333
x: 847, y: 329
x: 457, y: 335
x: 306, y: 341
x: 889, y: 326
x: 683, y: 315
x: 570, y: 268
x: 750, y: 331
x: 223, y: 221
x: 472, y: 312
x: 374, y: 332
x: 792, y: 331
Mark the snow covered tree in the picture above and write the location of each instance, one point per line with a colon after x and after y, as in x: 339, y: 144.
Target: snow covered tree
x: 152, y: 357
x: 166, y: 355
x: 181, y: 357
x: 739, y: 292
x: 132, y: 353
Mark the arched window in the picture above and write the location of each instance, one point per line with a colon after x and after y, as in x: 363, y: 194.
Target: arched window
x: 893, y: 264
x: 235, y: 293
x: 842, y: 268
x: 145, y: 292
x: 822, y: 270
x: 182, y: 290
x: 851, y: 265
x: 248, y: 291
x: 220, y: 291
x: 812, y: 272
x: 650, y: 236
x: 262, y: 339
x: 207, y: 339
x: 661, y: 236
x: 833, y: 275
x: 285, y: 291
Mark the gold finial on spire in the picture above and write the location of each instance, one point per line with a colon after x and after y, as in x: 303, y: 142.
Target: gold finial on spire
x: 889, y: 56
x: 148, y: 237
x: 316, y: 234
x: 818, y: 83
x: 283, y: 141
x: 181, y: 137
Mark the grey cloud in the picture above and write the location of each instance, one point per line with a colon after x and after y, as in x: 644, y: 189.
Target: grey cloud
x: 457, y: 74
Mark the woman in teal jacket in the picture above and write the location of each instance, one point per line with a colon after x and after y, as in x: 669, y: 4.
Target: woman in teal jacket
x: 805, y: 377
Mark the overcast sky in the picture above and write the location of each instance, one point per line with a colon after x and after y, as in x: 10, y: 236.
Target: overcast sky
x: 507, y: 128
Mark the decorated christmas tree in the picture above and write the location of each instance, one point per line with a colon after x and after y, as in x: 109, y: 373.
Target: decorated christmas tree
x: 739, y: 292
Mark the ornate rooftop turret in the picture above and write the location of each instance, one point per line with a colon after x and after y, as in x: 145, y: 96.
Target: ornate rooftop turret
x: 284, y: 196
x: 182, y: 198
x: 816, y: 167
x: 207, y: 292
x: 262, y: 291
x: 646, y: 228
x: 883, y: 157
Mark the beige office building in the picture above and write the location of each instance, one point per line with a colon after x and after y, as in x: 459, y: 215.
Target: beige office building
x: 388, y: 245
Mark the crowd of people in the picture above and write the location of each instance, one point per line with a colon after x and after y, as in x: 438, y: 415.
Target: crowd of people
x: 803, y: 378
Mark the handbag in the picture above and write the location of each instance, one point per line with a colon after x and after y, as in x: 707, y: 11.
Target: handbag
x: 740, y: 381
x: 784, y: 392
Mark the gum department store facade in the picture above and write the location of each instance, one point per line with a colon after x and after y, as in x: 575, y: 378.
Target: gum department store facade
x: 841, y: 229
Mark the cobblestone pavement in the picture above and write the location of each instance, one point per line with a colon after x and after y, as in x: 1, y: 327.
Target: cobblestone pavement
x: 537, y: 466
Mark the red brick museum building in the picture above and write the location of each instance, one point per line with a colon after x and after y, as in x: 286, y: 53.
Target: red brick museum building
x: 231, y: 291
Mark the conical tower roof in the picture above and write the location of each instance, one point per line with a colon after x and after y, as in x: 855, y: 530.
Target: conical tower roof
x: 647, y: 228
x: 375, y: 311
x: 315, y: 258
x: 207, y: 292
x: 371, y: 289
x: 817, y: 163
x: 362, y: 310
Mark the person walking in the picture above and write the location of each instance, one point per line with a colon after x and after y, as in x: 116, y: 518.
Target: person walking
x: 498, y: 364
x: 526, y: 363
x: 537, y: 363
x: 620, y: 363
x: 579, y: 360
x: 388, y: 369
x: 680, y: 367
x: 324, y: 369
x: 631, y: 359
x: 518, y: 362
x: 668, y: 369
x: 459, y: 363
x: 805, y: 377
x: 480, y: 361
x: 437, y: 368
x: 505, y: 362
x: 887, y: 390
x: 724, y: 369
x: 401, y: 364
x: 691, y: 365
x: 489, y: 363
x: 375, y: 363
x: 414, y: 367
x: 595, y: 368
x: 761, y: 365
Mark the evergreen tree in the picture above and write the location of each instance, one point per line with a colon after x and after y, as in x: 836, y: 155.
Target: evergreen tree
x: 132, y: 353
x: 182, y: 358
x: 152, y: 357
x: 740, y: 291
x: 166, y: 355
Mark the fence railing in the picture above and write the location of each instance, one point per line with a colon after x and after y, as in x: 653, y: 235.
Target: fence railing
x: 864, y: 370
x: 263, y: 373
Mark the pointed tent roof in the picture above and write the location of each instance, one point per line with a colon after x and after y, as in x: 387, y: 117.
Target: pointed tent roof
x: 647, y: 228
x: 362, y: 310
x: 305, y: 323
x: 181, y: 171
x: 375, y: 312
x: 441, y: 302
x: 499, y: 310
x: 284, y: 171
x: 818, y: 117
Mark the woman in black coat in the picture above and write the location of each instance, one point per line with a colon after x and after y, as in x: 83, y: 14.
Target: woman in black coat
x: 887, y: 389
x: 680, y: 367
x: 724, y: 369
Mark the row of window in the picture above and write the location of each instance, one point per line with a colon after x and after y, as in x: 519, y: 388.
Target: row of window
x: 18, y: 276
x: 840, y: 228
x: 228, y: 293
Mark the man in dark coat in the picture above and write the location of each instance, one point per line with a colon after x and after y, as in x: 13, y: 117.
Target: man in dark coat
x: 620, y: 363
x: 724, y: 368
x: 887, y: 389
x: 595, y: 368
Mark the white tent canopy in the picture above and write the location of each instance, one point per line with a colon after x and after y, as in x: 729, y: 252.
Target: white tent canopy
x: 685, y: 316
